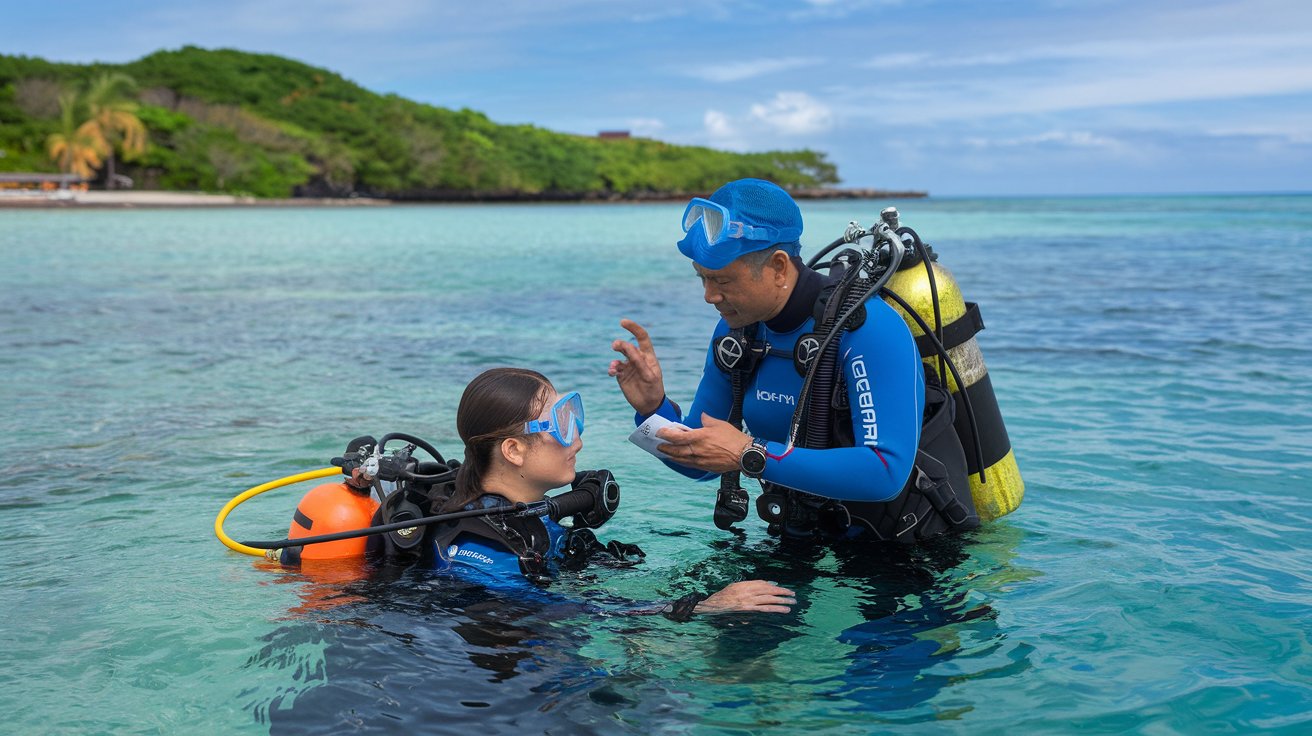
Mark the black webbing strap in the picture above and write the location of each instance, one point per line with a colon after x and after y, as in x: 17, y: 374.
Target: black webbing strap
x: 955, y: 332
x: 731, y: 500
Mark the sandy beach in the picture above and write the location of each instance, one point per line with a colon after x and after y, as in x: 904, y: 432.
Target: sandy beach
x: 129, y: 199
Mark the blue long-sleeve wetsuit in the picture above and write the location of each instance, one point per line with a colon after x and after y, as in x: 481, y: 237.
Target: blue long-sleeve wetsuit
x: 885, y: 390
x: 494, y: 566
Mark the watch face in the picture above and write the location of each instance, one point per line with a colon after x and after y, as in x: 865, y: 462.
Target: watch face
x: 753, y: 461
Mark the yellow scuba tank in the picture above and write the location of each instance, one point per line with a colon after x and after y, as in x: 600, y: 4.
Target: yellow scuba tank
x: 1002, y: 492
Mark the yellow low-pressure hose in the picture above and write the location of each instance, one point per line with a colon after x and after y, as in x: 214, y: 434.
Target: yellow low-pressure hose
x: 253, y: 492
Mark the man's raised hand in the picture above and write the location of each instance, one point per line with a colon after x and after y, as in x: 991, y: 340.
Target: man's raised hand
x: 639, y: 373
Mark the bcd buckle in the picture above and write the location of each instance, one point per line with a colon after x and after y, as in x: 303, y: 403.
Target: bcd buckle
x: 730, y: 507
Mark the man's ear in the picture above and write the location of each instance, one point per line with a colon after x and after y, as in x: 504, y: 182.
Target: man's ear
x: 513, y: 450
x: 778, y: 264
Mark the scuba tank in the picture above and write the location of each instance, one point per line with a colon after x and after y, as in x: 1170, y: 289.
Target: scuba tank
x: 937, y: 300
x: 327, y: 509
x: 347, y: 506
x: 341, y: 520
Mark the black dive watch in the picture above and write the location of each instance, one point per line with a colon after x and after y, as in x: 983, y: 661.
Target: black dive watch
x: 752, y: 461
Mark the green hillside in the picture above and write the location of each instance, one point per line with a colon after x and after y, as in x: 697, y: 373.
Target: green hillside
x: 229, y: 121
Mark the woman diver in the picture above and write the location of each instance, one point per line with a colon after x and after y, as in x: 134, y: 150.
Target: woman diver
x: 521, y: 440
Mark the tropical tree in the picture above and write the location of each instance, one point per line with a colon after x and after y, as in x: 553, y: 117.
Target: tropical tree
x: 78, y: 149
x: 114, y: 118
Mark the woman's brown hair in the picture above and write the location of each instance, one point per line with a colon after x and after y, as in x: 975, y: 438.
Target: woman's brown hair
x: 494, y: 407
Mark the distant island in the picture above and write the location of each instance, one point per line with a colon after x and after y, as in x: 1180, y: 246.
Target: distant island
x: 258, y: 125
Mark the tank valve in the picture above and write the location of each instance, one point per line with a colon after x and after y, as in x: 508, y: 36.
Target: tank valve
x: 890, y: 217
x: 854, y: 232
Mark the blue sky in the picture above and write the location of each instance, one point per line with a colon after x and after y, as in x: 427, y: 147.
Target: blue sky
x: 958, y: 98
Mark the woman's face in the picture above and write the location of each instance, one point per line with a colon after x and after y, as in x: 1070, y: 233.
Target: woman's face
x: 546, y: 462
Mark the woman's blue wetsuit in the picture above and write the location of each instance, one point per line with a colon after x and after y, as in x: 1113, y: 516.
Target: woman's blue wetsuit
x: 482, y: 560
x: 885, y: 390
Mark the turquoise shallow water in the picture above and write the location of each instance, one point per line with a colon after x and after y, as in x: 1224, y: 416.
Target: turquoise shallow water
x: 1152, y: 357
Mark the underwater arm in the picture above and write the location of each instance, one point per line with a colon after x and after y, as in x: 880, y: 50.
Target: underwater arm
x: 745, y: 596
x: 498, y: 572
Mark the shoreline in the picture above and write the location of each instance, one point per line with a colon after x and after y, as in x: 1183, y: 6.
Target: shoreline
x: 11, y: 199
x: 130, y: 200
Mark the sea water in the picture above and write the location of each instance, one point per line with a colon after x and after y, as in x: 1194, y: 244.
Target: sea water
x: 1152, y: 358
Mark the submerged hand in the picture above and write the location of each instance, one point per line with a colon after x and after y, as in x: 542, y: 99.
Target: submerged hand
x: 715, y: 447
x: 639, y: 375
x: 749, y: 595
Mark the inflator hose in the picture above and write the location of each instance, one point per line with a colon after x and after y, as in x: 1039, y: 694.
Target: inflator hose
x: 812, y: 261
x: 804, y: 396
x: 556, y: 507
x: 253, y: 492
x: 818, y: 422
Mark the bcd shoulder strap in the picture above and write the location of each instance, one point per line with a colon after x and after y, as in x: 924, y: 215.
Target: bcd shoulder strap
x: 525, y: 536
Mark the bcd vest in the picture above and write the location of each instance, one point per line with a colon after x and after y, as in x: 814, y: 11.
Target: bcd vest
x: 936, y: 497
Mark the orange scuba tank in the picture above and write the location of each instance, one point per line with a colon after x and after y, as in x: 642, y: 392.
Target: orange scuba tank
x: 327, y: 509
x: 1003, y: 490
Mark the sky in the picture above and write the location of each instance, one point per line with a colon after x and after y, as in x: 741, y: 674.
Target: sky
x: 957, y: 98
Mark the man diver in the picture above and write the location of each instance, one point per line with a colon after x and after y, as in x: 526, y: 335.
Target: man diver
x: 744, y: 244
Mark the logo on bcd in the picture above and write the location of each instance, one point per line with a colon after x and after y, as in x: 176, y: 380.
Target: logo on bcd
x: 775, y: 396
x: 729, y: 350
x: 807, y: 347
x: 454, y: 551
x: 865, y: 402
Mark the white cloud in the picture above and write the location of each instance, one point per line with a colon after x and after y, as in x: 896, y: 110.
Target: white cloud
x: 740, y: 70
x: 281, y: 17
x: 1081, y: 76
x: 1061, y: 138
x: 1109, y: 53
x: 1298, y: 134
x: 717, y: 124
x: 822, y: 9
x: 794, y: 113
x: 645, y: 127
x: 898, y: 61
x: 721, y: 132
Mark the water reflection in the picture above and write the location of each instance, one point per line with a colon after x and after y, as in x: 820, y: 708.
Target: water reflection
x: 880, y: 630
x: 880, y: 633
x: 408, y: 648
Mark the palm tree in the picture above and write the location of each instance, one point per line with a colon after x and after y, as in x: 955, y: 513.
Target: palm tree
x: 78, y: 149
x: 114, y: 117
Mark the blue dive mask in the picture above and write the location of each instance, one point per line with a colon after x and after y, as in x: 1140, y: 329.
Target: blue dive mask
x: 564, y: 422
x: 713, y: 239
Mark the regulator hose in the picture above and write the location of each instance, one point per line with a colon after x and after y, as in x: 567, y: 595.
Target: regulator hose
x: 815, y: 259
x: 896, y: 247
x: 923, y: 253
x: 818, y: 422
x: 947, y: 359
x: 416, y: 441
x: 557, y: 507
x: 253, y: 492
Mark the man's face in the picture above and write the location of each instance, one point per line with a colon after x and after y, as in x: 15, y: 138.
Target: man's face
x: 741, y: 294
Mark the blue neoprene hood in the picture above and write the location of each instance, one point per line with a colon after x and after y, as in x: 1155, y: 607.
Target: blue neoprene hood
x: 753, y: 202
